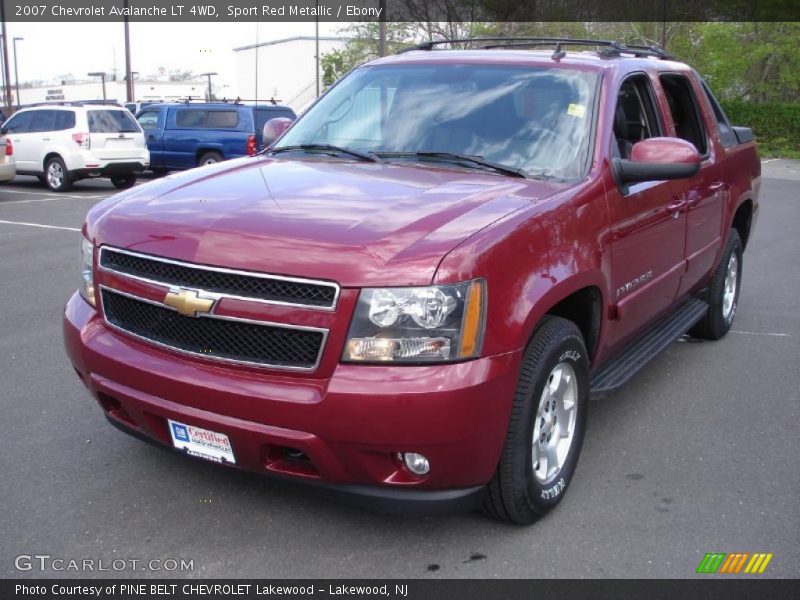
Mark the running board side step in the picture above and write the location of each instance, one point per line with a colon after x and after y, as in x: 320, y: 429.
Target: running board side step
x: 616, y: 372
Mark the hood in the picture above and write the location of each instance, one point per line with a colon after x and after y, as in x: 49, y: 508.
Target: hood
x: 355, y: 223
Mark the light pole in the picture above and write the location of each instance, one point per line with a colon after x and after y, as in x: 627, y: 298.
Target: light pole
x: 102, y: 77
x: 7, y: 99
x: 128, y: 79
x: 209, y: 82
x: 16, y: 72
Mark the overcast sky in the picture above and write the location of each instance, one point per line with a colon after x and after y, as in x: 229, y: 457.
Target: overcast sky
x: 50, y: 50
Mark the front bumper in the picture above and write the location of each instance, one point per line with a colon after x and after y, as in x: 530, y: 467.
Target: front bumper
x: 349, y: 427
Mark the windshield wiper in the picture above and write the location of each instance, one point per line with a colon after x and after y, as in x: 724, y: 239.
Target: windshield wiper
x: 366, y: 156
x: 458, y: 158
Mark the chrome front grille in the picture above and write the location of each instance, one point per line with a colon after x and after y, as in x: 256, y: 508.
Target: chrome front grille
x: 273, y: 289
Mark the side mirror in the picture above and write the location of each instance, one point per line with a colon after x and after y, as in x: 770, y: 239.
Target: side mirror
x: 658, y: 158
x: 274, y: 128
x: 4, y: 131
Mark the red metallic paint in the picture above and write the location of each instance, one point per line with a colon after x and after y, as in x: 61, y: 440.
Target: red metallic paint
x: 359, y: 224
x: 665, y: 150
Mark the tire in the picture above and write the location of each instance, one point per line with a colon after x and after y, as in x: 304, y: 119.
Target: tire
x: 158, y: 172
x: 209, y: 158
x: 722, y: 300
x: 56, y: 176
x: 123, y: 182
x: 521, y: 490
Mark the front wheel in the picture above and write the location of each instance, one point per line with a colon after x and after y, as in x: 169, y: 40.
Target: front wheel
x: 546, y: 427
x: 56, y: 176
x: 723, y: 293
x: 123, y: 182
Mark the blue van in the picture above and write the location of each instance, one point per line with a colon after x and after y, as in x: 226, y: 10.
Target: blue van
x: 182, y: 135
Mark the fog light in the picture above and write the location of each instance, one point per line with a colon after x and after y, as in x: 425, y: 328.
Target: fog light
x: 416, y: 463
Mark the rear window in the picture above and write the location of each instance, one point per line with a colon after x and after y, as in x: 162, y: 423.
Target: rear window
x: 111, y: 121
x: 195, y: 118
x: 222, y: 118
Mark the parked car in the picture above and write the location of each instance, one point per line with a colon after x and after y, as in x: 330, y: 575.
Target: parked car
x: 185, y: 135
x: 135, y: 107
x: 410, y: 297
x: 63, y: 143
x: 8, y: 167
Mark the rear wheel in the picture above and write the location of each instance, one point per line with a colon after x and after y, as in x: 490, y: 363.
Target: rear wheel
x: 123, y: 182
x: 723, y: 293
x: 56, y: 176
x: 209, y: 158
x: 546, y: 427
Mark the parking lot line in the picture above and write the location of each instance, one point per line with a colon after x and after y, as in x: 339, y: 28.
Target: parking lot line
x: 39, y: 225
x: 49, y: 194
x: 761, y: 333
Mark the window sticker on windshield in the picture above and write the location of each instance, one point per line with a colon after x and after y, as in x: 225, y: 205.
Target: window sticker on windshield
x: 576, y: 110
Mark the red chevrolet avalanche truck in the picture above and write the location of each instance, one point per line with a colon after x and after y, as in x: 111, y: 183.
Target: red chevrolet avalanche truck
x: 411, y: 295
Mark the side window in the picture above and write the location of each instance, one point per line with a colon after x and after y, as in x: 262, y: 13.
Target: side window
x: 222, y: 119
x: 65, y: 119
x: 726, y: 135
x: 43, y: 120
x: 190, y: 118
x: 19, y: 123
x: 148, y: 119
x: 635, y: 116
x: 684, y: 108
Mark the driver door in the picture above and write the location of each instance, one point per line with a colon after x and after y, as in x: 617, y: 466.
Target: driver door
x: 648, y: 226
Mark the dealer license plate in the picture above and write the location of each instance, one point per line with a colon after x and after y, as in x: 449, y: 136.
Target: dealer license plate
x: 201, y: 442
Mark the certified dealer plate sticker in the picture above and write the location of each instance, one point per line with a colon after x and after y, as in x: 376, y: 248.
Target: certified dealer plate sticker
x: 201, y: 442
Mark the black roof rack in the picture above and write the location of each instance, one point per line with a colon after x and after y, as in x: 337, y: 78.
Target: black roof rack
x: 609, y: 47
x: 237, y: 100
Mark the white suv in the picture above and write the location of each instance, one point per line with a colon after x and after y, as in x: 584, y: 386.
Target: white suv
x: 63, y: 143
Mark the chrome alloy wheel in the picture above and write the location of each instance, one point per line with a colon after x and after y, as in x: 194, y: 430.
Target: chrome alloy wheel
x: 554, y: 428
x: 55, y: 174
x: 729, y: 293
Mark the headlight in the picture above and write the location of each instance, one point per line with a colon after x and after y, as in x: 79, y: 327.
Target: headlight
x: 87, y: 277
x: 421, y: 324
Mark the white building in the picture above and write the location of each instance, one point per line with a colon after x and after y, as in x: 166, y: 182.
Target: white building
x: 285, y: 69
x: 115, y: 90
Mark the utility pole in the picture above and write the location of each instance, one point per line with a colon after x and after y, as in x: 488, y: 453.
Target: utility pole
x: 101, y: 75
x: 382, y: 29
x: 6, y: 70
x: 316, y: 45
x: 209, y: 83
x: 128, y: 77
x: 16, y: 72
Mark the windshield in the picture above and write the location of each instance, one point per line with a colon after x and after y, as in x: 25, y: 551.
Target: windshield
x: 535, y: 119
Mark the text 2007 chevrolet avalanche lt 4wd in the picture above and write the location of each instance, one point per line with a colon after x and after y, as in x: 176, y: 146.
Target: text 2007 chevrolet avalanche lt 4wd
x: 410, y: 296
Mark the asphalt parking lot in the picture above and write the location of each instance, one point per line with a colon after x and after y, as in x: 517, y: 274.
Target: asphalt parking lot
x: 699, y: 453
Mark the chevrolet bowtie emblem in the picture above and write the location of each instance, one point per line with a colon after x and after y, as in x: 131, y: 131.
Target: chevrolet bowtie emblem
x: 188, y: 302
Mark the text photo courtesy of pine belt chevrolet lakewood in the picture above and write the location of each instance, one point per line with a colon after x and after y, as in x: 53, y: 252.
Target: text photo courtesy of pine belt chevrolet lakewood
x: 409, y: 297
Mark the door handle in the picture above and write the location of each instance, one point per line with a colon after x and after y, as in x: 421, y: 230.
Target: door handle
x: 676, y: 205
x: 45, y: 139
x: 716, y: 186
